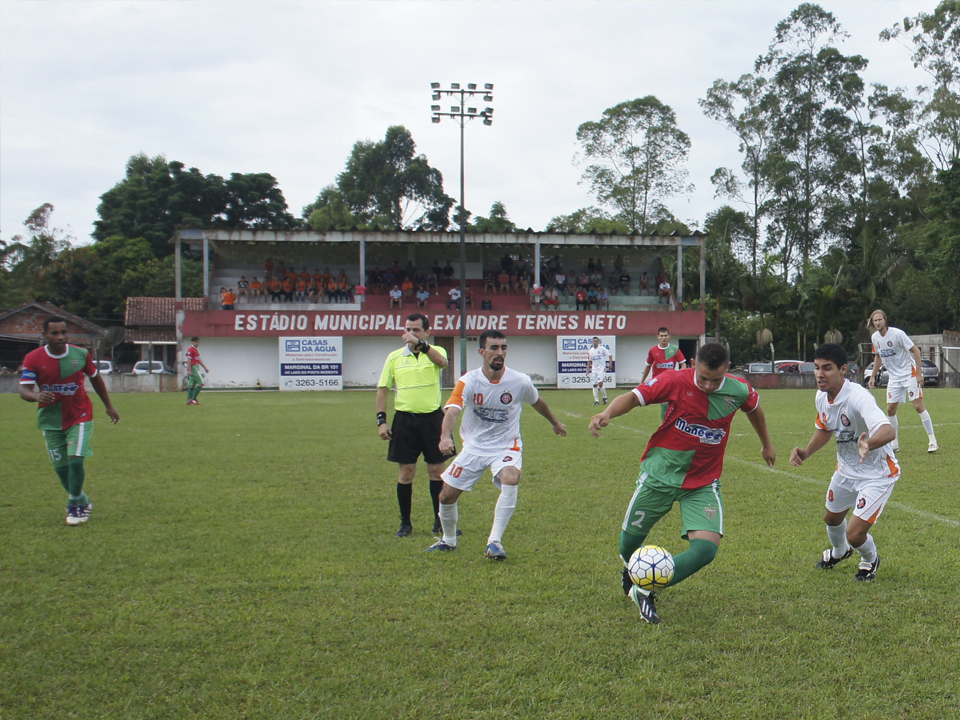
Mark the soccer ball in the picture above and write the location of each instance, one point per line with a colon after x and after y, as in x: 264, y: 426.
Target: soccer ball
x: 651, y: 567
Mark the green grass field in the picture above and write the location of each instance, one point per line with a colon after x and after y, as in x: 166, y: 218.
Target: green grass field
x: 240, y: 562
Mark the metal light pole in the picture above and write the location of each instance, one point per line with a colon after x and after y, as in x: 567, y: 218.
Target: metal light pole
x: 461, y: 114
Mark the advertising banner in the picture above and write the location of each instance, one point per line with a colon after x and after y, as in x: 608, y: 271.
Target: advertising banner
x: 573, y: 362
x: 311, y: 363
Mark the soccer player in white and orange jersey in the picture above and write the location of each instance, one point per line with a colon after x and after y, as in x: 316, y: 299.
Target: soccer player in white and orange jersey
x: 491, y: 398
x: 898, y: 353
x: 867, y: 469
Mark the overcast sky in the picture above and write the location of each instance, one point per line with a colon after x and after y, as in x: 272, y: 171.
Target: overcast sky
x: 287, y: 88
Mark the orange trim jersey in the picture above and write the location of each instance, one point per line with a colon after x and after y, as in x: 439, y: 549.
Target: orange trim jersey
x: 853, y: 412
x: 490, y: 422
x: 894, y: 351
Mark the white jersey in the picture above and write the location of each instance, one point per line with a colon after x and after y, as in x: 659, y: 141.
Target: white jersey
x: 491, y: 411
x: 894, y: 351
x: 852, y: 413
x: 598, y: 358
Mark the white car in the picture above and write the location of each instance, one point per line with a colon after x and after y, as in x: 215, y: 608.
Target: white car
x: 146, y: 367
x: 105, y: 367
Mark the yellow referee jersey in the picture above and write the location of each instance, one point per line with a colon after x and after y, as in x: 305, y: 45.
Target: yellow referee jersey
x: 417, y: 380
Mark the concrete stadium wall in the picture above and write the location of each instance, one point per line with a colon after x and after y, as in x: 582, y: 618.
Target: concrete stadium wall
x: 116, y: 383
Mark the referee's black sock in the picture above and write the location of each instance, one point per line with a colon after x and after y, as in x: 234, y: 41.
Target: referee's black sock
x: 435, y: 487
x: 404, y: 498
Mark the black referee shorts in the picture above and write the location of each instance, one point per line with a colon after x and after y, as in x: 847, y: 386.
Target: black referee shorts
x: 415, y: 435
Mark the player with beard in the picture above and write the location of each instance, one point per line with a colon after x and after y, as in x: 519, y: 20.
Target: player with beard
x: 492, y: 397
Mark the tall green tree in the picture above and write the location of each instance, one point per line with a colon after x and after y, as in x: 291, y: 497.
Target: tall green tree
x: 635, y: 159
x: 28, y: 257
x: 586, y: 220
x: 498, y: 221
x: 329, y: 212
x: 386, y: 183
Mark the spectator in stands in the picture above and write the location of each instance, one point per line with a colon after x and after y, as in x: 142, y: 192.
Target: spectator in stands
x: 644, y: 284
x: 551, y: 298
x: 409, y: 271
x: 287, y: 289
x: 613, y: 282
x: 523, y: 280
x: 243, y: 288
x: 468, y: 298
x: 560, y: 282
x: 625, y: 282
x: 313, y: 295
x: 603, y: 300
x: 591, y: 266
x: 301, y: 293
x: 267, y: 268
x: 666, y: 292
x: 433, y: 281
x: 660, y: 278
x: 448, y: 274
x: 305, y: 274
x: 436, y: 270
x: 584, y: 279
x: 229, y: 300
x: 572, y: 282
x: 419, y: 278
x: 536, y: 295
x: 374, y: 281
x: 489, y: 281
x: 389, y: 278
x: 256, y: 290
x: 422, y: 296
x: 592, y: 293
x: 276, y: 290
x: 344, y: 289
x: 396, y: 297
x: 581, y: 297
x: 618, y: 265
x: 503, y: 281
x: 280, y: 270
x: 485, y: 304
x: 596, y: 278
x: 454, y: 299
x: 223, y: 291
x: 506, y: 263
x: 407, y: 287
x: 397, y: 272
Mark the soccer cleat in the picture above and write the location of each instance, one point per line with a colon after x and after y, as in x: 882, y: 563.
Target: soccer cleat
x: 932, y: 447
x: 495, y: 551
x: 604, y: 399
x: 84, y: 511
x: 828, y: 561
x: 196, y: 402
x: 627, y: 582
x: 596, y: 402
x: 73, y: 515
x: 867, y: 571
x: 442, y: 546
x: 404, y: 531
x: 644, y: 602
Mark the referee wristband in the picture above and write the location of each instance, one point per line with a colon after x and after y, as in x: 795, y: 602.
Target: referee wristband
x: 422, y: 346
x: 381, y: 419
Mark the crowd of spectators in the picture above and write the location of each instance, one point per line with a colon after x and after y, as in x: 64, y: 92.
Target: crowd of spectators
x: 283, y: 284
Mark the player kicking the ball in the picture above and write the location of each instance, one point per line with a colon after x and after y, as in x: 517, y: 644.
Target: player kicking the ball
x: 684, y: 459
x: 492, y: 397
x: 866, y: 466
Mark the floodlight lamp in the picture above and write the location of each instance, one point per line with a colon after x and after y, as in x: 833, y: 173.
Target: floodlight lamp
x: 488, y: 111
x: 434, y: 108
x: 435, y: 119
x: 488, y: 121
x: 454, y: 86
x: 454, y: 109
x: 434, y: 86
x: 488, y: 98
x: 471, y: 86
x: 436, y: 96
x: 471, y: 111
x: 488, y: 86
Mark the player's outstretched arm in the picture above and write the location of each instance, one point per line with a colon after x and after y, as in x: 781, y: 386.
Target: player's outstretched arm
x: 819, y: 439
x: 619, y: 406
x: 100, y: 387
x: 758, y: 419
x: 541, y: 407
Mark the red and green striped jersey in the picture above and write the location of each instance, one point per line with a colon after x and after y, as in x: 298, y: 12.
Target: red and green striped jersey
x: 687, y: 449
x: 62, y: 376
x: 662, y: 359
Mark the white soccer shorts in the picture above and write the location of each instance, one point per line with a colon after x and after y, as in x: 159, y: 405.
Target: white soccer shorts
x: 899, y: 391
x: 866, y: 497
x: 466, y: 468
x: 596, y: 378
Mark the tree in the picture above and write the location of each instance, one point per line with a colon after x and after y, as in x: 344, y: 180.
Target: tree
x: 497, y: 222
x: 386, y: 184
x: 586, y: 220
x: 28, y: 259
x: 726, y: 229
x: 329, y: 212
x: 636, y: 155
x: 936, y: 49
x: 254, y: 201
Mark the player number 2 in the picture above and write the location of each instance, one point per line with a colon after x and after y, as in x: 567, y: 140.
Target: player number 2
x: 640, y: 516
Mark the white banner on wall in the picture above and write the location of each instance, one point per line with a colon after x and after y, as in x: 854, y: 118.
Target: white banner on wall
x: 311, y: 363
x: 573, y: 363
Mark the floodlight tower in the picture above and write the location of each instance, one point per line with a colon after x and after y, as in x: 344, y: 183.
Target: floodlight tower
x: 461, y: 114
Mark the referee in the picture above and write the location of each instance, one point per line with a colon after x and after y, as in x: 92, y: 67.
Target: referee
x: 415, y: 370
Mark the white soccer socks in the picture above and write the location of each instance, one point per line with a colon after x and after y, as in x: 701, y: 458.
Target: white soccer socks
x: 506, y: 504
x: 838, y: 538
x: 449, y: 515
x: 928, y: 425
x: 868, y: 551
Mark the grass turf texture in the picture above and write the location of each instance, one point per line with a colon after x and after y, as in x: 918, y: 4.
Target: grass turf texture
x: 240, y: 562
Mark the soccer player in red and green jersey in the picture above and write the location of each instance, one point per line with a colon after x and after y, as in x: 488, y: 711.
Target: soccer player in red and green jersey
x: 53, y: 376
x: 684, y: 459
x: 194, y: 378
x: 663, y: 356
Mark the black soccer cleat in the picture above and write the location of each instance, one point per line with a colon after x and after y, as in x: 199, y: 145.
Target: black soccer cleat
x: 404, y: 531
x: 867, y: 571
x: 627, y: 582
x: 828, y: 561
x: 644, y: 603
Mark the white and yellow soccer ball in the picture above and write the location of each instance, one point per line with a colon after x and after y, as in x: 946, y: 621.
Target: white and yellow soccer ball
x: 651, y: 567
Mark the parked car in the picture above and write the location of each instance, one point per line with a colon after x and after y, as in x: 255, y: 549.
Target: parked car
x: 758, y: 367
x: 146, y: 367
x: 931, y: 374
x: 795, y: 366
x: 105, y: 367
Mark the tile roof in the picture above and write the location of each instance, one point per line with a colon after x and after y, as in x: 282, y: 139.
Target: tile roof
x: 156, y: 312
